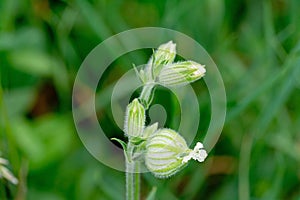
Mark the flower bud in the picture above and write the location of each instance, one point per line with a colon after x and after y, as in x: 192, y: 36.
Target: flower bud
x: 181, y: 73
x: 167, y: 153
x: 134, y: 119
x: 165, y: 54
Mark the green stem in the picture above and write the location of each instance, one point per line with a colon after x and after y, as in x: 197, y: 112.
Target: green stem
x: 137, y: 181
x: 129, y: 181
x: 133, y: 167
x: 147, y: 94
x: 132, y: 177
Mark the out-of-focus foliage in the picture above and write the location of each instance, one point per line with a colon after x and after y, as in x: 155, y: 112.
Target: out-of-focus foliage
x: 256, y: 45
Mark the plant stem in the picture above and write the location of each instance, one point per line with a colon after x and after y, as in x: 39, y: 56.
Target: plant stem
x: 137, y: 181
x: 132, y: 177
x: 129, y: 181
x: 147, y: 94
x: 132, y: 166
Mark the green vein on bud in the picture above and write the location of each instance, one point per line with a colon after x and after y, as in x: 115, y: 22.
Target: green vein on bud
x: 164, y: 55
x: 167, y: 153
x: 163, y: 153
x: 134, y: 119
x: 181, y: 73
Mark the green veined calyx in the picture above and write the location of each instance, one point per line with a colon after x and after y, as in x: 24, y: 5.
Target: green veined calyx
x: 165, y: 54
x: 134, y: 119
x: 181, y: 73
x: 167, y: 153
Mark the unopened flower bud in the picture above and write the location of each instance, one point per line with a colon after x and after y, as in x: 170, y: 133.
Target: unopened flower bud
x: 165, y: 54
x: 134, y: 119
x: 181, y: 73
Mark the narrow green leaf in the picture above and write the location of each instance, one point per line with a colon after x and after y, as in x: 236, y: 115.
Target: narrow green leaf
x: 123, y: 144
x: 152, y: 194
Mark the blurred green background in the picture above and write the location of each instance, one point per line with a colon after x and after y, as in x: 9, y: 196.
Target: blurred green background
x: 256, y: 45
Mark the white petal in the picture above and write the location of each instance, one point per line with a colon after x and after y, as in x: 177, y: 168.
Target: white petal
x: 198, y: 146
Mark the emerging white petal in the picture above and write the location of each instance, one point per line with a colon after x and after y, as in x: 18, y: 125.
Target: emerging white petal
x: 198, y: 153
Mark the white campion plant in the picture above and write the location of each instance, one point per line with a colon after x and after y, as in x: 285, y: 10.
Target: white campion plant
x: 164, y: 151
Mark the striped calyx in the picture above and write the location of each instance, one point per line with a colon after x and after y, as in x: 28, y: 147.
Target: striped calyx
x: 134, y: 119
x: 165, y: 54
x: 164, y: 153
x: 181, y: 73
x: 167, y: 153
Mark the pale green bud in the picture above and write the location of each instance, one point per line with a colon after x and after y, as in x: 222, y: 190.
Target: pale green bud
x: 167, y: 153
x: 134, y: 119
x: 165, y: 54
x: 181, y: 73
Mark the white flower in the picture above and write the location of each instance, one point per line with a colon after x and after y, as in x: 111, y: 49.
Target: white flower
x: 198, y: 153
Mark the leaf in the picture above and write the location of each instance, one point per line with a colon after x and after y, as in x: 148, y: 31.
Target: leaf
x: 140, y: 74
x: 150, y: 130
x: 43, y: 141
x: 32, y: 61
x: 152, y: 194
x: 123, y: 144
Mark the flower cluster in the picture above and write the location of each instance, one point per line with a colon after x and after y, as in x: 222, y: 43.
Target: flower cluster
x: 162, y: 70
x: 164, y: 151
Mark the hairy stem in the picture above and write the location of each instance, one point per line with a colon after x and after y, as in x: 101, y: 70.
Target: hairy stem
x: 129, y: 181
x: 137, y: 181
x: 132, y: 166
x: 132, y: 177
x: 147, y: 94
